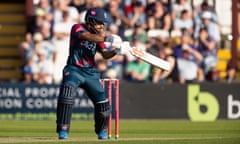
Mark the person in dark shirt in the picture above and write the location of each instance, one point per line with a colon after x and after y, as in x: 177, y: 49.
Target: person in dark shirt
x: 80, y: 71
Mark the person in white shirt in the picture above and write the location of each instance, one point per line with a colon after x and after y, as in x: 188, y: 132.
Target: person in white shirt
x: 61, y: 36
x: 188, y: 65
x: 43, y: 68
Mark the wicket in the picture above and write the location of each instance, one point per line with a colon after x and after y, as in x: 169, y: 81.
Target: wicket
x: 112, y: 89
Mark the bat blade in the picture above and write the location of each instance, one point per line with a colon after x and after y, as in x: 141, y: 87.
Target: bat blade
x: 149, y: 58
x: 145, y: 56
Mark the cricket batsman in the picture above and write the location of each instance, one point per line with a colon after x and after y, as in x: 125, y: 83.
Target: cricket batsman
x: 85, y: 40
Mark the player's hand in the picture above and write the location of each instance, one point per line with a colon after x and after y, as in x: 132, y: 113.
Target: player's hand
x: 114, y: 41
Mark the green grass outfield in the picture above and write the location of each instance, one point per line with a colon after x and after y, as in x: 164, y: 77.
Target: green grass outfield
x: 131, y: 132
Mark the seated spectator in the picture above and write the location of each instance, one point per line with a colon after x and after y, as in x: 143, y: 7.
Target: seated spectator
x: 64, y: 5
x: 38, y: 43
x: 46, y: 6
x: 135, y: 14
x: 137, y: 71
x: 167, y: 4
x: 184, y: 40
x: 178, y: 52
x: 60, y: 40
x: 155, y: 45
x: 204, y: 7
x: 97, y: 3
x: 231, y: 72
x: 117, y: 16
x: 179, y: 6
x: 183, y: 22
x: 83, y: 6
x: 25, y: 46
x: 102, y: 67
x: 32, y: 57
x: 127, y: 3
x: 188, y: 65
x: 28, y: 72
x: 150, y: 7
x: 206, y: 45
x: 160, y: 19
x: 161, y: 76
x: 46, y: 30
x: 211, y: 27
x: 139, y: 32
x: 43, y: 68
x: 39, y: 18
x: 78, y: 4
x: 134, y: 43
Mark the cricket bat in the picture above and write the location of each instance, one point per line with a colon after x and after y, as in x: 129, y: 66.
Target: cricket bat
x: 116, y: 41
x: 145, y: 56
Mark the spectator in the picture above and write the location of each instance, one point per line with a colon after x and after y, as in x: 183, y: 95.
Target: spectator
x: 211, y: 27
x: 160, y: 76
x: 161, y: 18
x: 134, y: 43
x: 155, y: 45
x: 231, y: 71
x: 188, y: 65
x: 183, y: 22
x: 117, y: 16
x: 150, y: 8
x: 167, y: 4
x: 206, y: 45
x: 31, y: 69
x: 39, y: 43
x: 79, y: 5
x: 137, y: 71
x: 139, y: 32
x: 28, y: 72
x: 83, y: 9
x: 25, y: 46
x: 179, y: 53
x: 46, y: 30
x: 39, y: 18
x: 84, y: 6
x: 97, y: 3
x: 204, y: 7
x: 135, y: 14
x: 60, y: 7
x: 102, y: 67
x: 184, y: 40
x: 45, y: 5
x: 179, y: 6
x: 29, y: 48
x: 89, y: 4
x: 129, y: 2
x: 61, y: 37
x: 43, y: 68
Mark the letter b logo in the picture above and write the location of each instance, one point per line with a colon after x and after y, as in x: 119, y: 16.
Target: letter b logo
x: 202, y: 106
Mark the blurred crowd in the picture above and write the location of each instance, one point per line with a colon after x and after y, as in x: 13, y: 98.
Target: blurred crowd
x: 188, y: 37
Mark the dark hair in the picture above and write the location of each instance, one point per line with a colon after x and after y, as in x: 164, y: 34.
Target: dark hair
x: 205, y: 6
x: 137, y: 3
x: 184, y: 11
x: 203, y: 29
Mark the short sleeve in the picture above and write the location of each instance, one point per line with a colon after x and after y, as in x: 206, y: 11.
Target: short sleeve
x: 77, y: 29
